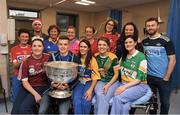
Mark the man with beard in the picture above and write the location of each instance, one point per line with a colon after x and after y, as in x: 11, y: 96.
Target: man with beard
x: 161, y: 61
x: 37, y: 30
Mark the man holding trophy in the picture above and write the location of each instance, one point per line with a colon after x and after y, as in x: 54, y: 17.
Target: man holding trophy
x: 63, y: 78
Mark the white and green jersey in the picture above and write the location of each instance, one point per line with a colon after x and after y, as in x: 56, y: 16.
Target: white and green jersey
x: 134, y: 67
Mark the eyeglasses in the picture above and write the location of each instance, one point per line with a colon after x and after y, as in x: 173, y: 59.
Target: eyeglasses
x: 110, y: 24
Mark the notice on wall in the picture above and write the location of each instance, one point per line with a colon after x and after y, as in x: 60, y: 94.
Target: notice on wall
x: 3, y: 44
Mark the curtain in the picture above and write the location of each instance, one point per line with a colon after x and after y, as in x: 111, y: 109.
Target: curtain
x: 117, y: 15
x: 173, y: 32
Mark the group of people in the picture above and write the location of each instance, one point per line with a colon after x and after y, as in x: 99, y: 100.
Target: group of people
x: 111, y: 66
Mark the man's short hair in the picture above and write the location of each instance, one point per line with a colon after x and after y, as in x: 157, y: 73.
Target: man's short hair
x: 23, y: 31
x: 63, y: 38
x: 152, y: 19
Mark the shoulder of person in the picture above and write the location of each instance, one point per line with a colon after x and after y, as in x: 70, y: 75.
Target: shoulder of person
x: 93, y: 59
x: 96, y: 54
x: 44, y: 36
x: 112, y: 55
x: 145, y: 38
x: 46, y: 55
x: 46, y: 40
x: 141, y: 55
x: 72, y: 55
x: 13, y: 48
x: 165, y: 37
x: 28, y: 59
x: 77, y: 41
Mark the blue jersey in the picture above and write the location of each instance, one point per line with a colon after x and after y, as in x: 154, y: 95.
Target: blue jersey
x: 70, y: 57
x: 50, y: 47
x: 157, y: 51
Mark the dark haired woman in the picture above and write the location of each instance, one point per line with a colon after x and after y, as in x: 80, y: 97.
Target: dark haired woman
x: 84, y: 90
x: 34, y: 80
x: 109, y: 70
x: 111, y: 34
x: 50, y: 44
x: 128, y: 29
x: 133, y: 69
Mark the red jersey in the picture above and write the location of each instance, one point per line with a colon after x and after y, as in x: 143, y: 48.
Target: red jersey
x: 18, y: 54
x: 113, y: 39
x: 33, y: 70
x: 94, y: 48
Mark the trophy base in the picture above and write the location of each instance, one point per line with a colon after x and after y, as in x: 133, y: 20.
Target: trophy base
x: 60, y: 94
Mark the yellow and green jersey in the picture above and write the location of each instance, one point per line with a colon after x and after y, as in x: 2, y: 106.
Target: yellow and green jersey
x: 90, y: 73
x: 134, y: 67
x: 108, y: 63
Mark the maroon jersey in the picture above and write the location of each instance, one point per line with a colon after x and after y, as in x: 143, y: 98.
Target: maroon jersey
x: 33, y: 71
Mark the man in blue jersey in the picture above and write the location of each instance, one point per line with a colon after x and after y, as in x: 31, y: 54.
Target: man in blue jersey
x: 161, y: 60
x: 62, y: 55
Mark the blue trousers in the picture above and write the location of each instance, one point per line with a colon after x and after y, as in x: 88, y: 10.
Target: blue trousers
x: 80, y: 104
x: 122, y: 102
x: 102, y: 100
x: 25, y: 102
x: 15, y: 86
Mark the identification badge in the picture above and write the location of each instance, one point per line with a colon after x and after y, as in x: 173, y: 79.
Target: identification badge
x: 82, y: 81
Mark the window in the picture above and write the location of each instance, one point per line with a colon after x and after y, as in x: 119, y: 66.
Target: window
x: 65, y: 20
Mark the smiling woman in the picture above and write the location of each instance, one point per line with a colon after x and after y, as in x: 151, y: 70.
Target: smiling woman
x: 37, y: 48
x: 108, y: 69
x: 84, y: 90
x: 111, y: 33
x: 34, y: 80
x: 133, y: 68
x: 50, y: 44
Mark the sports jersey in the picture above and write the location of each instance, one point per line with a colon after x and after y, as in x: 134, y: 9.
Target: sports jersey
x: 70, y: 57
x: 90, y: 73
x: 49, y: 46
x: 18, y: 54
x: 94, y: 48
x: 33, y: 71
x: 134, y: 67
x: 157, y: 51
x: 113, y: 40
x: 107, y: 64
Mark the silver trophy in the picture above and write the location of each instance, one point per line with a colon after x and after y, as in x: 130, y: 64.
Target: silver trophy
x: 63, y: 72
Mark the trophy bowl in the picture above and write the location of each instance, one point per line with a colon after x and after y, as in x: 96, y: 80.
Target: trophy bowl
x: 62, y: 72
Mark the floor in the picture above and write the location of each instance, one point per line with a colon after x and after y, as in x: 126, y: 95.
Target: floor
x: 174, y: 108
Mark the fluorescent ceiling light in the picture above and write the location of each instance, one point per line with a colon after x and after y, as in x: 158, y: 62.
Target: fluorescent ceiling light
x: 82, y: 3
x: 60, y: 2
x: 87, y: 1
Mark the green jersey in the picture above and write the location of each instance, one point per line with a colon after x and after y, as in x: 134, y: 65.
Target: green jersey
x: 134, y: 67
x: 107, y: 64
